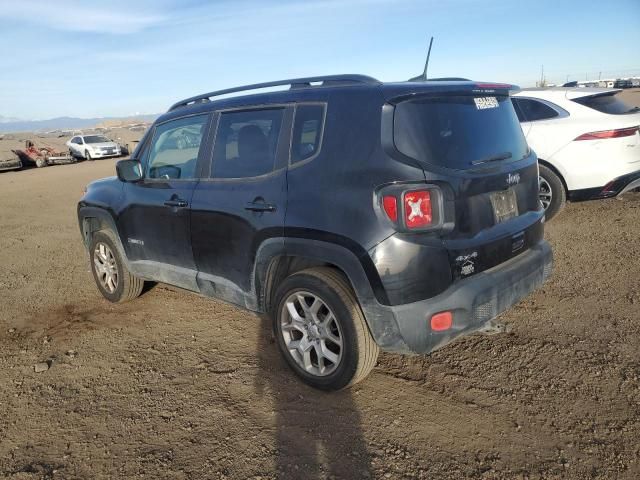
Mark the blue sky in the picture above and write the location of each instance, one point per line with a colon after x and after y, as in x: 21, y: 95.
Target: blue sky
x: 116, y: 57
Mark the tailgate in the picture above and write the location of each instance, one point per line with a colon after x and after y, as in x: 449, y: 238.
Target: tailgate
x: 473, y: 148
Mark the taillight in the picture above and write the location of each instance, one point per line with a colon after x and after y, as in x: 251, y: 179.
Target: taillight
x: 602, y: 134
x: 417, y: 209
x: 390, y: 205
x: 412, y: 207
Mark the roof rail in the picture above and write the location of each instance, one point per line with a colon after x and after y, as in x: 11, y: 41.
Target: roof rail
x: 295, y: 83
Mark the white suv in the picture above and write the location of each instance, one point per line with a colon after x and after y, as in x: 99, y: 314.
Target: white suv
x: 587, y: 141
x: 93, y: 146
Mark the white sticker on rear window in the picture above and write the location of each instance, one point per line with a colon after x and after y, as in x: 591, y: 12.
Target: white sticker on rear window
x: 483, y: 103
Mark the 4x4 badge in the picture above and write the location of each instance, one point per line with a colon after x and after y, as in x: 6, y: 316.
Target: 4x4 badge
x: 467, y: 265
x: 513, y: 179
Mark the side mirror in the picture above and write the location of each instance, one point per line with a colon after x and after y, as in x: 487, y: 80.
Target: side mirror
x: 167, y: 172
x: 129, y: 170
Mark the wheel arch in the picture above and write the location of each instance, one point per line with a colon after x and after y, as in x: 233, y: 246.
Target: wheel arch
x: 92, y: 220
x: 275, y: 261
x: 278, y: 258
x: 557, y: 172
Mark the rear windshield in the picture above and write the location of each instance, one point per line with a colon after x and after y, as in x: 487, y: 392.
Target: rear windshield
x: 459, y: 132
x: 610, y: 103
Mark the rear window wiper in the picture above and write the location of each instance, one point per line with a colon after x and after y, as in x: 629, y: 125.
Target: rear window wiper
x: 494, y: 158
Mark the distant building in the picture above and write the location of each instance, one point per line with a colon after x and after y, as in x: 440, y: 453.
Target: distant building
x: 611, y: 82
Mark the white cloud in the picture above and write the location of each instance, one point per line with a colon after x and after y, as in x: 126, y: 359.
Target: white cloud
x: 70, y: 15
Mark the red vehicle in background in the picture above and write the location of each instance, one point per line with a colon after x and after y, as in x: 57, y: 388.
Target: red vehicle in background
x: 43, y: 156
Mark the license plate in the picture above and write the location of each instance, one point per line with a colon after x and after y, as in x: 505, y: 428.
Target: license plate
x: 505, y: 205
x: 109, y: 152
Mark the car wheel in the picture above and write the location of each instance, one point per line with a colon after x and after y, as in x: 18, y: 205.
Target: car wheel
x: 112, y: 277
x: 41, y: 162
x: 551, y: 192
x: 87, y: 155
x: 321, y: 330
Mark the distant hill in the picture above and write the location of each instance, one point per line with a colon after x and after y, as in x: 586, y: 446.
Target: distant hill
x: 8, y: 119
x: 61, y: 123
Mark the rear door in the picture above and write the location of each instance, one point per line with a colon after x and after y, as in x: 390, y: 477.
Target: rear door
x: 243, y: 201
x: 156, y: 223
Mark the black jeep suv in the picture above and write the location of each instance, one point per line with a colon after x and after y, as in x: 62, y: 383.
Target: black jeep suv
x: 360, y: 215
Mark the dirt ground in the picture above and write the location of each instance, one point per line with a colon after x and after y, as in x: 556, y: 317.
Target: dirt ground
x: 631, y: 96
x: 174, y: 385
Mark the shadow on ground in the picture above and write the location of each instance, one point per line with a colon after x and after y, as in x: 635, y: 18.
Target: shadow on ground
x: 318, y: 435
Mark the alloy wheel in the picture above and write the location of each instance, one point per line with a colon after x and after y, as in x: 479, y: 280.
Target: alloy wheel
x: 106, y: 267
x: 311, y: 333
x: 545, y: 193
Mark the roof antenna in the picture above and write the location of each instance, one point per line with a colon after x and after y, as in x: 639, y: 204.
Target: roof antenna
x: 423, y: 77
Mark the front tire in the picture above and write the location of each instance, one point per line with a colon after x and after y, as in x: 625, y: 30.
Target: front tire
x: 110, y: 273
x: 88, y: 156
x: 551, y: 192
x: 321, y: 330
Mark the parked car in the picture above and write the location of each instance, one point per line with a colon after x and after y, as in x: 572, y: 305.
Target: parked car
x: 9, y: 161
x: 360, y: 215
x: 587, y: 142
x: 91, y: 147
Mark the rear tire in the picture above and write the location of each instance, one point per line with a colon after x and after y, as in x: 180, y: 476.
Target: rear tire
x: 110, y: 273
x: 332, y: 346
x: 551, y: 192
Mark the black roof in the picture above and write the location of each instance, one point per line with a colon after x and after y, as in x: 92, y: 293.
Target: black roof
x: 208, y: 101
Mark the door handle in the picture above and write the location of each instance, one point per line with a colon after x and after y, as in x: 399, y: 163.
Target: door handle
x: 260, y: 207
x: 176, y: 203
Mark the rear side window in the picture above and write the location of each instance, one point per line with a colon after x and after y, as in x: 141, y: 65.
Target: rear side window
x: 307, y: 132
x: 246, y: 143
x: 459, y: 132
x: 610, y: 103
x: 532, y: 110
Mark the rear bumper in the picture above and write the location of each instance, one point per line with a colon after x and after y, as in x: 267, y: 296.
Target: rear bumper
x: 615, y: 187
x: 474, y: 301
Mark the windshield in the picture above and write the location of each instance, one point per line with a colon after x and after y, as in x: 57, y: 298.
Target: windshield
x: 459, y: 132
x: 96, y: 139
x: 610, y: 103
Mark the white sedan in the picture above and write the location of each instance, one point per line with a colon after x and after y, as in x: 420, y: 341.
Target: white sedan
x: 91, y: 147
x: 587, y: 141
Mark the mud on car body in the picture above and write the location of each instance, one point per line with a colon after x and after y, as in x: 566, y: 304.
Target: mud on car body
x: 360, y: 215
